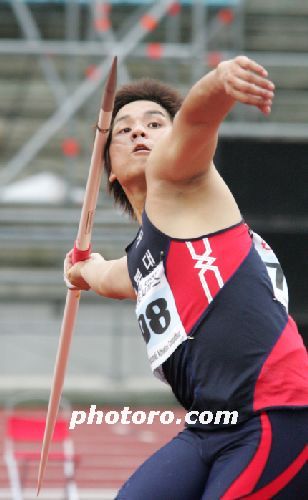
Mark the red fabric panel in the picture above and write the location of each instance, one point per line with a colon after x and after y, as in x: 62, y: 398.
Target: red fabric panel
x: 283, y: 479
x: 248, y: 479
x: 224, y: 252
x: 283, y: 380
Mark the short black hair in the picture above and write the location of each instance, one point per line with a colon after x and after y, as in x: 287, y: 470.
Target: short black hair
x: 148, y: 90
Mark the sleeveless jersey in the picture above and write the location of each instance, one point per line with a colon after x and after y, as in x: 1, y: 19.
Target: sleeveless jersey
x: 213, y: 313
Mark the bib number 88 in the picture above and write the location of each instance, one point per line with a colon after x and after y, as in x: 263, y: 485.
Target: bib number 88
x: 157, y: 318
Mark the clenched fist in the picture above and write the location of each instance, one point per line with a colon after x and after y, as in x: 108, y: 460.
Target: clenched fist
x: 73, y: 273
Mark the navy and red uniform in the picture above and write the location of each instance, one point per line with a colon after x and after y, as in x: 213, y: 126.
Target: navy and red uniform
x: 218, y: 333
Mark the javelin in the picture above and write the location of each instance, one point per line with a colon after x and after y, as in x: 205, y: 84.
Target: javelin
x: 82, y: 250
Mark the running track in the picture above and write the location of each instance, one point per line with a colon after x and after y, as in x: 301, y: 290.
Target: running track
x: 108, y: 453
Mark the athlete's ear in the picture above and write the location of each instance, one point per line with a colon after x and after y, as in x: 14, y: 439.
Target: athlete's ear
x: 112, y: 177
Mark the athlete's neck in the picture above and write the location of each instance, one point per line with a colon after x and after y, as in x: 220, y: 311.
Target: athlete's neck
x: 137, y: 200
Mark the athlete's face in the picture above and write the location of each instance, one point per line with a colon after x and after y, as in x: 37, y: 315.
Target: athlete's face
x: 137, y: 127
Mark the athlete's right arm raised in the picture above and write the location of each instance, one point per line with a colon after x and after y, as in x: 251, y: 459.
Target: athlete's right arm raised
x: 108, y: 278
x: 186, y: 151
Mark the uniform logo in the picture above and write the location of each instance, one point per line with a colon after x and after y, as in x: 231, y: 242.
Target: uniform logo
x: 205, y: 262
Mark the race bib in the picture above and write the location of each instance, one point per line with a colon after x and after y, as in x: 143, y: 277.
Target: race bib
x: 274, y: 269
x: 158, y: 318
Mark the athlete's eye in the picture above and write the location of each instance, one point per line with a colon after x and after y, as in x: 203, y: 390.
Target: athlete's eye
x: 124, y: 130
x: 154, y: 125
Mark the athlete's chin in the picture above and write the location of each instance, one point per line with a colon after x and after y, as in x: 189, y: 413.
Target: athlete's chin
x: 137, y: 166
x: 134, y: 175
x: 140, y: 159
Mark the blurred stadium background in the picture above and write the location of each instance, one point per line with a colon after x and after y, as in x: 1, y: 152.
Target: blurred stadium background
x: 54, y: 56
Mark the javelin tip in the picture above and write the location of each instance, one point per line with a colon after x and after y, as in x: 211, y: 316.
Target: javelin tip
x: 110, y: 87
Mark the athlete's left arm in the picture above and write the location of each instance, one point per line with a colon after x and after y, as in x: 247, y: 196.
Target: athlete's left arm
x: 187, y: 150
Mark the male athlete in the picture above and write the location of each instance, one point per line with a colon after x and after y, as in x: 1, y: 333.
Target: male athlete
x: 215, y: 327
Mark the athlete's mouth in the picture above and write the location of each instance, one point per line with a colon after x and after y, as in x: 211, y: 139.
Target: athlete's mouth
x: 141, y: 147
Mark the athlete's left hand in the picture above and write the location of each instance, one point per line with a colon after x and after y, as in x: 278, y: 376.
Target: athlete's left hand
x: 247, y: 82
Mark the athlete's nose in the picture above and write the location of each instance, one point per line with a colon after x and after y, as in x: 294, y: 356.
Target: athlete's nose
x: 138, y: 132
